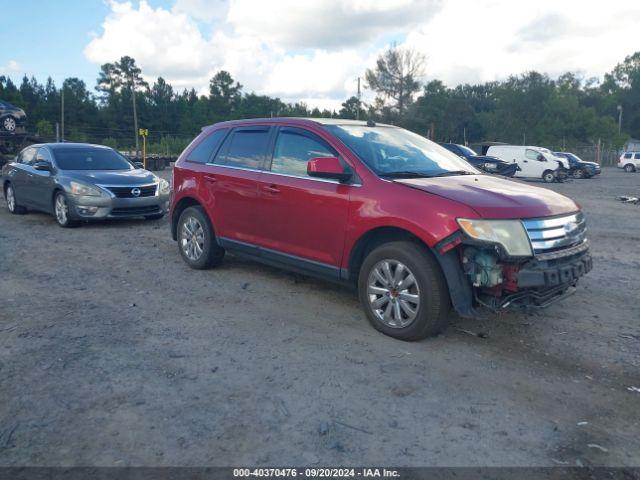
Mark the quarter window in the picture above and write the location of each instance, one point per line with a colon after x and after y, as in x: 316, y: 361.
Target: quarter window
x: 246, y: 148
x: 637, y: 156
x: 294, y: 148
x: 208, y: 147
x: 627, y: 155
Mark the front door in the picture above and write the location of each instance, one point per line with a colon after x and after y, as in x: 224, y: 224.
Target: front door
x: 302, y: 219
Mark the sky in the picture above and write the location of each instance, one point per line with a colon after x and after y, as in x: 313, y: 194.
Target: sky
x: 313, y: 50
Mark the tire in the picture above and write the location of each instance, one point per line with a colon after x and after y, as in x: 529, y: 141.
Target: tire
x: 61, y: 211
x: 580, y: 173
x: 157, y: 216
x: 429, y: 289
x: 548, y: 176
x: 9, y: 124
x: 199, y: 250
x: 629, y: 168
x: 12, y: 202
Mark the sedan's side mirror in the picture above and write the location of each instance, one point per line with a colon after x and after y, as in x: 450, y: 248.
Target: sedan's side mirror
x: 139, y: 164
x: 328, y: 167
x: 43, y: 166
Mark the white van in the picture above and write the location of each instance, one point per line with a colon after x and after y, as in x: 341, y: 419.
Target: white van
x: 534, y: 162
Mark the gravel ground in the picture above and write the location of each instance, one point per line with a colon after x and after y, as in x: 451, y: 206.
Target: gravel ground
x: 114, y: 352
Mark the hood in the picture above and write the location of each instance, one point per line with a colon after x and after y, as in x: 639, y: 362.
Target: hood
x: 138, y: 176
x: 495, y: 197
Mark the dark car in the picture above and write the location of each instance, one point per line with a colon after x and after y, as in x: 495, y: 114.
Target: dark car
x: 12, y: 118
x: 486, y: 163
x: 578, y: 167
x: 78, y: 181
x: 413, y: 226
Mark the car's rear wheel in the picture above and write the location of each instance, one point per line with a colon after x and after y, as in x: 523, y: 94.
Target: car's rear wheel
x: 548, y: 176
x: 629, y: 168
x: 61, y: 211
x: 403, y: 291
x: 9, y: 124
x: 196, y: 239
x: 12, y: 203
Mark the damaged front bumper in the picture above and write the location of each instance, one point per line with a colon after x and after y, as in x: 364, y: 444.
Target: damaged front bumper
x: 477, y: 281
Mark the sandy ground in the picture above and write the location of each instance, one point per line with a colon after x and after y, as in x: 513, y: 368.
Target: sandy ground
x: 114, y: 352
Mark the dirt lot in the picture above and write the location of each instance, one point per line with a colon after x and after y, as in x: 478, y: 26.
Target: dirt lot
x: 114, y: 352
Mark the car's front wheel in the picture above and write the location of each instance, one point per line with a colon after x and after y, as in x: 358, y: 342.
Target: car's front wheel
x: 579, y: 173
x: 61, y: 211
x: 403, y: 291
x: 196, y: 239
x: 9, y: 124
x: 12, y: 203
x: 548, y: 176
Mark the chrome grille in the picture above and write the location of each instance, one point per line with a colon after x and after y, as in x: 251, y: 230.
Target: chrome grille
x: 551, y: 234
x: 128, y: 191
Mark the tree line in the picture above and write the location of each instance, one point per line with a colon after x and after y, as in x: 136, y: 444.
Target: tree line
x: 529, y: 108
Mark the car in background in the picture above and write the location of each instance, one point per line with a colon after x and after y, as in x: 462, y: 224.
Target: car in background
x: 79, y: 181
x: 534, y: 162
x: 578, y: 168
x: 415, y: 228
x: 12, y: 118
x: 629, y: 161
x: 485, y: 163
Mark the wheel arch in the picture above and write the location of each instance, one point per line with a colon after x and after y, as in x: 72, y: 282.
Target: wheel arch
x: 181, y: 206
x: 374, y: 238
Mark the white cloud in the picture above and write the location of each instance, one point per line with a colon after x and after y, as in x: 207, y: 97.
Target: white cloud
x: 313, y: 50
x: 11, y: 68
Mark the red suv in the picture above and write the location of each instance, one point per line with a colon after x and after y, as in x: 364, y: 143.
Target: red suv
x: 413, y: 226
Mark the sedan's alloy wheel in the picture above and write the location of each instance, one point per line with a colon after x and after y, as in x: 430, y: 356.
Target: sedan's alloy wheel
x: 9, y: 124
x: 394, y: 294
x: 62, y: 209
x: 192, y: 238
x: 11, y: 199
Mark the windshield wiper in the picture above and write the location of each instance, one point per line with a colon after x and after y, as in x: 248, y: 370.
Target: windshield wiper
x: 411, y: 174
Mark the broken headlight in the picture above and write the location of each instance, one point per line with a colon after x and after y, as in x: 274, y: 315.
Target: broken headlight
x: 510, y: 234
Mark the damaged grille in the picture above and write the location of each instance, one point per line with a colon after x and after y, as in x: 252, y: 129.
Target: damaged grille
x: 557, y: 233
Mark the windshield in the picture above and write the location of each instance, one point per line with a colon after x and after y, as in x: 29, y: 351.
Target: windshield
x: 467, y: 150
x: 90, y: 159
x: 398, y: 152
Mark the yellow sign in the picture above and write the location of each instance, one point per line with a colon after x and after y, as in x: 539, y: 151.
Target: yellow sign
x: 143, y: 132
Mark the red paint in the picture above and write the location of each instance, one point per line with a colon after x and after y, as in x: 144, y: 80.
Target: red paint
x: 322, y: 220
x: 324, y: 166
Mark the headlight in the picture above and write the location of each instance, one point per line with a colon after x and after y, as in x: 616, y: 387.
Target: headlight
x: 84, y: 189
x: 508, y: 233
x: 164, y: 186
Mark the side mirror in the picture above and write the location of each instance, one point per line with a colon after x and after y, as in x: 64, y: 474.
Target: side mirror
x: 328, y: 167
x: 139, y: 164
x: 43, y: 166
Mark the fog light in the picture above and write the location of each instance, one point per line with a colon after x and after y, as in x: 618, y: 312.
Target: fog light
x: 87, y: 210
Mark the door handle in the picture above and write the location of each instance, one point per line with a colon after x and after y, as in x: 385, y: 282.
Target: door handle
x: 210, y: 178
x: 271, y: 189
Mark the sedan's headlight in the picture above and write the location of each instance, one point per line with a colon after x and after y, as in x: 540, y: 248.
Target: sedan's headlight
x: 164, y: 186
x: 78, y: 188
x: 508, y: 233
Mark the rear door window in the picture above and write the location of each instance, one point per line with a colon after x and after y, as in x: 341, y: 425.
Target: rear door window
x: 207, y: 148
x: 293, y: 150
x: 627, y: 155
x: 245, y: 147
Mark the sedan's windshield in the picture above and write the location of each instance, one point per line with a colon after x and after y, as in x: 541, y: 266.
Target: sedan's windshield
x: 90, y: 159
x: 391, y: 151
x: 467, y: 151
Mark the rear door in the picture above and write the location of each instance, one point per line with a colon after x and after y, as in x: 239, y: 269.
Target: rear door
x: 21, y: 176
x: 232, y: 182
x: 302, y: 219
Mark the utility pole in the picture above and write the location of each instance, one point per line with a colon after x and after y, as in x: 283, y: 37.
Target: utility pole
x: 62, y: 114
x: 619, y: 119
x: 135, y: 115
x: 358, y: 108
x: 57, y: 132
